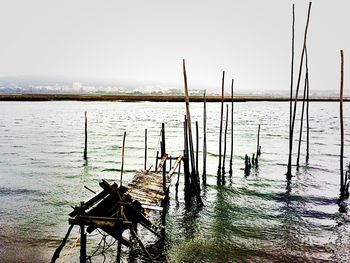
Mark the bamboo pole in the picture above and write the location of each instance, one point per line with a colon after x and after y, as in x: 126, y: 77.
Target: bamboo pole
x: 231, y: 158
x: 289, y: 175
x: 145, y: 164
x: 220, y: 133
x: 289, y: 165
x: 302, y: 120
x: 162, y: 154
x: 257, y: 146
x: 225, y: 140
x: 197, y: 149
x: 121, y: 171
x: 204, y: 175
x: 342, y: 186
x: 307, y: 110
x: 195, y: 179
x: 186, y: 165
x: 85, y: 148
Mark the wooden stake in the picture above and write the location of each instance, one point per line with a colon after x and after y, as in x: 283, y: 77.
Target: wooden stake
x: 342, y: 186
x: 221, y: 119
x: 145, y: 165
x: 302, y: 120
x: 257, y: 146
x: 307, y: 110
x: 162, y: 154
x: 204, y: 175
x: 195, y: 179
x: 186, y: 166
x: 197, y: 149
x: 289, y: 165
x: 85, y: 148
x: 119, y: 251
x: 82, y: 244
x: 225, y: 140
x: 297, y: 89
x: 121, y: 172
x: 231, y: 158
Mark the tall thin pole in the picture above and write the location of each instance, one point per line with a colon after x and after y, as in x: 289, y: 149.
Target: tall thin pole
x: 221, y: 120
x: 230, y: 172
x: 195, y: 178
x: 85, y: 148
x: 342, y: 186
x: 289, y: 166
x: 302, y: 120
x: 225, y: 140
x: 197, y: 148
x: 121, y: 172
x: 289, y: 175
x: 145, y: 165
x: 307, y: 110
x: 257, y: 145
x: 162, y: 154
x: 204, y: 175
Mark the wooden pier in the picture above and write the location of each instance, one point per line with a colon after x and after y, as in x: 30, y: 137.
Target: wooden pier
x: 117, y: 209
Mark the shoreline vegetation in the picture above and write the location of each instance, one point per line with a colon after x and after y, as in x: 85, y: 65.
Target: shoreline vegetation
x: 153, y: 98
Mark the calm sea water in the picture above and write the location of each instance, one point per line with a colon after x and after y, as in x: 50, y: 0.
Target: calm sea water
x: 259, y: 218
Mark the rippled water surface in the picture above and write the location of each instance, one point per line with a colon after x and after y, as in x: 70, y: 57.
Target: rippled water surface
x: 259, y: 218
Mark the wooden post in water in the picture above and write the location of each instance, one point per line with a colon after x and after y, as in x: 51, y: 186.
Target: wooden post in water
x: 82, y: 244
x: 119, y: 251
x: 204, y: 175
x: 257, y: 147
x: 186, y: 166
x: 194, y: 177
x: 121, y: 170
x: 162, y: 154
x: 220, y: 132
x: 145, y: 165
x: 307, y: 110
x: 197, y: 150
x: 302, y: 120
x: 157, y: 157
x: 289, y: 165
x: 225, y: 140
x: 342, y: 186
x: 289, y: 174
x: 231, y: 158
x: 85, y: 148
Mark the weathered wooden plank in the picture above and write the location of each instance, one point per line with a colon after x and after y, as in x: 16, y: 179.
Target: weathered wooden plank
x: 160, y: 166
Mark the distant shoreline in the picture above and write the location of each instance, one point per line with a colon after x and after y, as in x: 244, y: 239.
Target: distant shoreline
x: 157, y: 98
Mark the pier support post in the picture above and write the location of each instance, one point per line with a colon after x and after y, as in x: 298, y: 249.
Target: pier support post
x: 82, y: 244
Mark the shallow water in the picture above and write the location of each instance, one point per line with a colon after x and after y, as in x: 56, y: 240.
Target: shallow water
x: 256, y: 218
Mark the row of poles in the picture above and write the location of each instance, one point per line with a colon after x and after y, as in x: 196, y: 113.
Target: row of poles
x: 344, y: 176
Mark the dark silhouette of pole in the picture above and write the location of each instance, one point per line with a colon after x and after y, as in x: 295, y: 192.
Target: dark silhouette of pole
x: 221, y: 119
x: 289, y: 175
x: 342, y: 186
x: 85, y: 148
x: 302, y: 120
x: 204, y: 175
x: 194, y: 177
x: 225, y: 140
x: 231, y: 158
x: 197, y: 149
x: 122, y: 168
x: 289, y: 165
x: 307, y: 110
x: 257, y: 146
x: 145, y: 165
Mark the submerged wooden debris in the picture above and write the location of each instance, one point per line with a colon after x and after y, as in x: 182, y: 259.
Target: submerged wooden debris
x: 117, y: 209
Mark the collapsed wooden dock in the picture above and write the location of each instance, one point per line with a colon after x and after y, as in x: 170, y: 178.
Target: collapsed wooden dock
x: 117, y: 209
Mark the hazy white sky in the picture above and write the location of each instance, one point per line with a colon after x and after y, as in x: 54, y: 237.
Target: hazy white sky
x: 146, y: 40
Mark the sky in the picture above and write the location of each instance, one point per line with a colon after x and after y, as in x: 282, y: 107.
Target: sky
x: 145, y: 41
